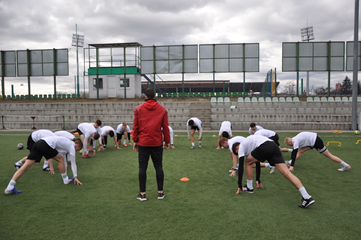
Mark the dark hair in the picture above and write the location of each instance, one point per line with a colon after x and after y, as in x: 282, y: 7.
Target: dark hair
x: 98, y: 122
x: 252, y: 125
x: 190, y: 122
x: 96, y: 136
x: 225, y: 134
x: 111, y: 133
x: 234, y: 147
x: 150, y: 93
x: 77, y: 141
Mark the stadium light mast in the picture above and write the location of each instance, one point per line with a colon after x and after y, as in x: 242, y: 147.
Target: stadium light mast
x: 78, y: 41
x: 307, y: 35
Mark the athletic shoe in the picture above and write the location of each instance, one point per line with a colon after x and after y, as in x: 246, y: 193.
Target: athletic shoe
x: 344, y: 168
x: 104, y: 146
x: 161, y: 196
x: 306, y: 202
x: 129, y: 144
x: 69, y: 162
x: 193, y: 147
x: 86, y: 156
x: 288, y: 163
x: 272, y: 169
x: 231, y: 170
x: 46, y: 169
x: 200, y: 145
x: 142, y: 198
x: 10, y: 192
x: 125, y: 145
x: 246, y: 189
x: 17, y: 166
x: 71, y: 179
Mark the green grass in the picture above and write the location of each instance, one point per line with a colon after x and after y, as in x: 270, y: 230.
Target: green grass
x: 205, y: 207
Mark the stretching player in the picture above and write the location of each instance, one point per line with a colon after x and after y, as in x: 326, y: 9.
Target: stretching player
x: 305, y: 141
x: 254, y: 128
x: 123, y: 129
x: 259, y: 149
x: 224, y: 131
x: 108, y: 130
x: 194, y: 124
x: 32, y: 139
x: 228, y: 143
x: 171, y: 137
x: 49, y: 147
x: 86, y: 132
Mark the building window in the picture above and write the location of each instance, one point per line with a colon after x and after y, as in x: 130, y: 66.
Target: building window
x: 100, y: 83
x: 121, y: 82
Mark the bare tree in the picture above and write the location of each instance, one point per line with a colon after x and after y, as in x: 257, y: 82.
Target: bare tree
x: 290, y: 88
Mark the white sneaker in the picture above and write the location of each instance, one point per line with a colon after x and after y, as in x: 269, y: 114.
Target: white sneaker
x: 71, y: 179
x: 288, y: 163
x: 272, y: 170
x: 344, y: 168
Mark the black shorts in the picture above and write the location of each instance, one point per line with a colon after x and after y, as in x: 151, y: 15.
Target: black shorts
x: 268, y: 151
x: 275, y: 138
x: 40, y: 149
x: 320, y: 147
x: 195, y: 127
x: 119, y: 136
x: 30, y: 143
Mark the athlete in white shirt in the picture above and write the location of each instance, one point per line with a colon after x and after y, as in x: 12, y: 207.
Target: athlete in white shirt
x: 259, y: 149
x: 86, y: 132
x: 254, y: 128
x: 123, y: 129
x: 108, y: 130
x: 228, y: 143
x: 305, y: 141
x: 194, y: 124
x: 71, y: 137
x: 224, y: 131
x: 49, y: 147
x: 32, y: 139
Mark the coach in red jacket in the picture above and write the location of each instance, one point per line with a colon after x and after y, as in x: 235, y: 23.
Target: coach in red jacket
x: 149, y: 118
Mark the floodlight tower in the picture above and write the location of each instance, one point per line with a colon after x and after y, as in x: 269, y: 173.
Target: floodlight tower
x: 78, y: 41
x: 307, y: 35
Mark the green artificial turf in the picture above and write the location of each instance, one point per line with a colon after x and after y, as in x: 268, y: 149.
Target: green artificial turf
x: 205, y: 207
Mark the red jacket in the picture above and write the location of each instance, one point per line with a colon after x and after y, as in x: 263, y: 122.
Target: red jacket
x: 149, y: 118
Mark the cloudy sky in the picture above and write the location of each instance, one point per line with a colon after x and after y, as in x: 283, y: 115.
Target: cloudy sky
x: 37, y: 24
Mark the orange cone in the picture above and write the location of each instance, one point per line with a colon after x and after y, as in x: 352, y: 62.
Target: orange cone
x: 184, y: 179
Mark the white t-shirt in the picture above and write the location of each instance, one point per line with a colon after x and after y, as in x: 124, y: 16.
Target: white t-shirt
x: 61, y: 144
x: 236, y: 139
x: 87, y: 129
x: 197, y: 123
x: 250, y: 143
x: 106, y: 129
x: 304, y: 139
x: 121, y: 130
x: 64, y: 146
x: 225, y: 127
x: 66, y: 134
x: 257, y: 128
x: 39, y: 134
x: 265, y: 133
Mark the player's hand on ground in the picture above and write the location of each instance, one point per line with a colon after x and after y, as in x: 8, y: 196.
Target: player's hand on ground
x: 77, y: 182
x: 189, y: 138
x: 291, y: 168
x: 233, y: 174
x: 218, y: 148
x: 172, y: 146
x: 94, y: 152
x: 239, y: 190
x: 200, y: 139
x: 52, y: 171
x: 117, y: 147
x: 259, y: 185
